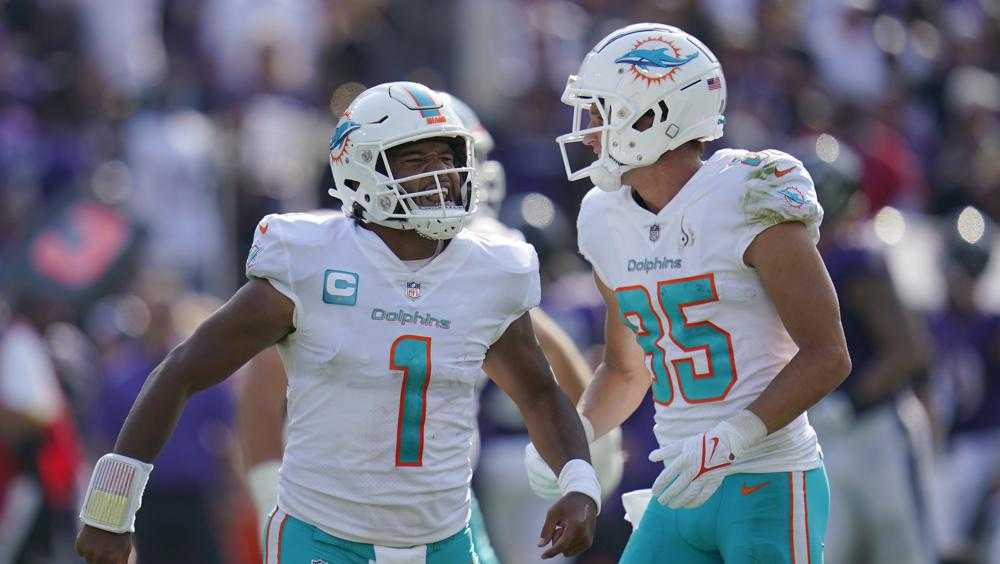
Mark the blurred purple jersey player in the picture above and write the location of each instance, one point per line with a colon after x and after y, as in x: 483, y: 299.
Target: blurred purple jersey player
x: 879, y: 514
x: 968, y: 387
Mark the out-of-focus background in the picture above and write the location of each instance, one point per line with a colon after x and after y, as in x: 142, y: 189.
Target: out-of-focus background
x: 141, y: 140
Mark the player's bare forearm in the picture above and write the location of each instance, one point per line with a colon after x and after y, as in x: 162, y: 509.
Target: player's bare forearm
x: 516, y: 363
x: 809, y: 377
x: 256, y: 317
x: 796, y: 280
x: 612, y: 396
x: 261, y: 408
x: 621, y: 381
x: 555, y: 429
x: 568, y: 364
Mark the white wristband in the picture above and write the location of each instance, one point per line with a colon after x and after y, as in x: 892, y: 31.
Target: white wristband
x: 579, y: 476
x: 115, y: 493
x: 749, y: 428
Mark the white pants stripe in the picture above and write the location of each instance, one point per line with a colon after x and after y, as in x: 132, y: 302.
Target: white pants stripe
x: 272, y: 536
x: 799, y: 518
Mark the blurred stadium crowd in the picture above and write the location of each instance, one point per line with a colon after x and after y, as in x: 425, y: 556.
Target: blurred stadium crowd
x: 141, y: 140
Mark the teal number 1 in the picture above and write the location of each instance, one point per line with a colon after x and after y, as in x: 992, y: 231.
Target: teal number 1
x: 411, y: 354
x: 674, y: 297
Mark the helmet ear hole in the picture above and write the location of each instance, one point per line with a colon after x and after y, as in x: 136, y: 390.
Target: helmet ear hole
x: 380, y: 165
x: 352, y: 184
x: 458, y: 151
x: 664, y: 110
x: 644, y: 122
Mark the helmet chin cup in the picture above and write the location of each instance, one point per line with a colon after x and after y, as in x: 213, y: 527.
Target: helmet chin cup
x: 607, y: 178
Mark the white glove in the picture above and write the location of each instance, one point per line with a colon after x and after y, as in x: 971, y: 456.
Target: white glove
x: 608, y: 459
x: 606, y: 456
x: 541, y: 478
x: 695, y: 467
x: 262, y: 481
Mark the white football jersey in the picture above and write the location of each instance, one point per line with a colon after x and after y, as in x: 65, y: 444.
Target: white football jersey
x: 491, y: 227
x: 712, y: 337
x: 382, y: 367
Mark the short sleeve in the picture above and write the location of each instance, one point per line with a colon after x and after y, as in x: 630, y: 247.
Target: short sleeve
x: 528, y: 295
x: 587, y: 239
x: 778, y: 190
x: 269, y: 259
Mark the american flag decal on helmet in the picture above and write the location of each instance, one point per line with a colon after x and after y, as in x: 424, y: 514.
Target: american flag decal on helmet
x: 714, y: 83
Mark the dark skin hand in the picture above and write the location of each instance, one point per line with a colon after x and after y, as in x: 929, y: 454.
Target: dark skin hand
x: 553, y: 426
x: 256, y: 317
x: 259, y: 316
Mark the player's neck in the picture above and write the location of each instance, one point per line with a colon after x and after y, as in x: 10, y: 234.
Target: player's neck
x: 407, y: 244
x: 656, y: 185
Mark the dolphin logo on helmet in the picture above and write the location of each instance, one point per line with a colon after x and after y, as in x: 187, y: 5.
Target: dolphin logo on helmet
x: 665, y: 62
x: 645, y: 58
x: 344, y: 128
x: 381, y: 119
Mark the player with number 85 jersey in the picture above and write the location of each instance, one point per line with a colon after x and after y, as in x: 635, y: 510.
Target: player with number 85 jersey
x: 712, y: 337
x: 717, y: 299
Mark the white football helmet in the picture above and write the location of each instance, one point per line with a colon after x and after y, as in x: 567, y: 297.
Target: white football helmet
x: 491, y: 184
x: 643, y: 68
x: 386, y: 116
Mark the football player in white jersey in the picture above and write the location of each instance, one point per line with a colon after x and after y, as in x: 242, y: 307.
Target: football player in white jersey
x: 263, y: 389
x: 713, y: 284
x: 384, y: 320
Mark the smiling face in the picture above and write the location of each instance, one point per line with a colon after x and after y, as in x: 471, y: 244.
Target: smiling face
x: 425, y: 156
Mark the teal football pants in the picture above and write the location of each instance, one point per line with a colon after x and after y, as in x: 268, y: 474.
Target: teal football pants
x: 288, y: 540
x: 480, y: 540
x: 772, y: 518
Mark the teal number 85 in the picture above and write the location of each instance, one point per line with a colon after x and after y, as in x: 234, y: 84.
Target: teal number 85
x: 674, y: 296
x: 411, y: 354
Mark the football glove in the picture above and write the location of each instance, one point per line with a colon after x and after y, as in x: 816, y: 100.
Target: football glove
x: 695, y: 467
x: 606, y: 456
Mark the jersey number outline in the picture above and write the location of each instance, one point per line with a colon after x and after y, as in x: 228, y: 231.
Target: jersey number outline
x: 674, y: 296
x: 411, y: 355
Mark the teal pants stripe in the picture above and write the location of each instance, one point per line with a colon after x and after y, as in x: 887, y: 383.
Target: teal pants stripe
x: 768, y: 518
x: 480, y: 539
x: 291, y: 541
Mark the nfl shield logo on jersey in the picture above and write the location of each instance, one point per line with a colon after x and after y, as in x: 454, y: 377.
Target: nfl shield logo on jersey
x: 654, y: 232
x: 413, y: 290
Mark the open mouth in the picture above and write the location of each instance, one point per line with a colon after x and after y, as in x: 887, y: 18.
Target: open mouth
x: 433, y: 196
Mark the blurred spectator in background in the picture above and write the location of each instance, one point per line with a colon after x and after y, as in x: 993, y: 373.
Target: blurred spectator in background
x: 182, y: 518
x: 39, y: 453
x: 968, y: 393
x: 880, y: 514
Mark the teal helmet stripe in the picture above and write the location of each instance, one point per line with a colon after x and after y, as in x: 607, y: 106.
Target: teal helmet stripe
x: 427, y: 106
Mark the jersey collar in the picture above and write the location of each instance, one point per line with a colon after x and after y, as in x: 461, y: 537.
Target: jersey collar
x: 398, y: 274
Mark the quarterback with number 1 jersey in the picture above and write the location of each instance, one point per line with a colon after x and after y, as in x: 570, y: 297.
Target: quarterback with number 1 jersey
x: 711, y: 335
x: 382, y: 368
